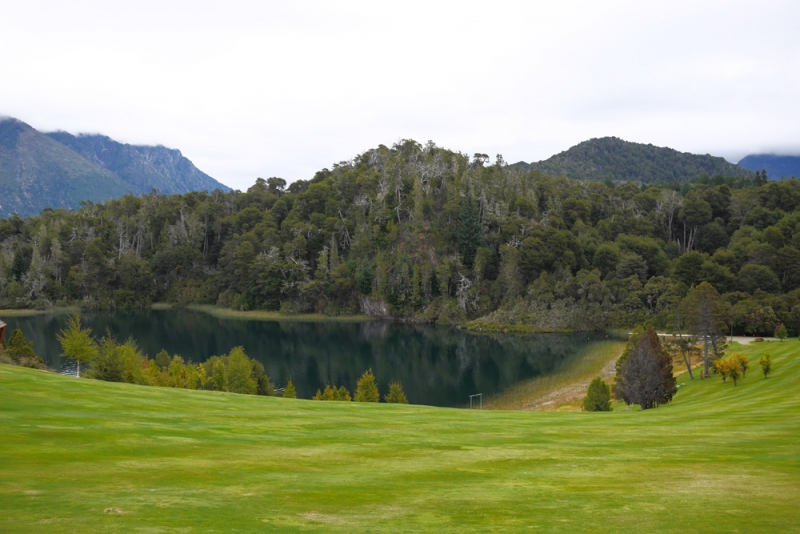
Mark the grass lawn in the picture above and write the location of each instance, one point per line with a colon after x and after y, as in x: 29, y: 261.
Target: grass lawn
x: 86, y: 456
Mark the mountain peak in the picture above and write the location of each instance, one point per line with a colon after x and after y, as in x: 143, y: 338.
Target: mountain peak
x: 612, y: 158
x: 59, y: 170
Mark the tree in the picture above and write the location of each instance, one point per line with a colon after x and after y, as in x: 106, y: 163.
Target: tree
x: 77, y: 343
x: 780, y: 332
x: 734, y: 371
x: 219, y: 375
x: 396, y: 394
x: 722, y: 367
x: 109, y: 362
x: 240, y: 373
x: 766, y: 364
x: 367, y: 390
x: 705, y: 318
x: 741, y: 361
x: 644, y: 371
x: 163, y: 360
x: 288, y: 391
x: 470, y: 230
x: 21, y: 351
x: 598, y: 397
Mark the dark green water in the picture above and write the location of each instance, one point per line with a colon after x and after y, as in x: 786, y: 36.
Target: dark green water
x: 438, y: 366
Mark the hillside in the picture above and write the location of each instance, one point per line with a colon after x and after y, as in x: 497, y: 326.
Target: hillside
x: 611, y: 158
x: 777, y: 167
x: 37, y: 172
x: 59, y: 170
x: 146, y: 167
x: 87, y: 456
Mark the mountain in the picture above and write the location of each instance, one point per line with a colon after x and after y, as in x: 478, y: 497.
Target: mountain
x: 777, y: 167
x: 614, y: 159
x: 59, y: 170
x: 146, y: 167
x: 37, y: 172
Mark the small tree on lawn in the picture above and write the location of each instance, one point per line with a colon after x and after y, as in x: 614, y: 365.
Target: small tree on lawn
x: 77, y: 343
x: 396, y: 394
x: 598, y: 398
x: 367, y: 390
x: 342, y: 394
x: 743, y: 363
x: 734, y: 370
x: 644, y: 371
x: 766, y: 364
x: 780, y: 332
x: 723, y: 367
x: 288, y: 391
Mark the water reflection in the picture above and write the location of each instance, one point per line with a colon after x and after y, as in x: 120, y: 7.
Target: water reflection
x: 437, y: 366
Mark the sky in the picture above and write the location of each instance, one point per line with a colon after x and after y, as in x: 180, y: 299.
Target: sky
x: 261, y: 89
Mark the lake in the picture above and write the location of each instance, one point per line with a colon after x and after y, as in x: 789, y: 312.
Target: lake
x: 438, y: 366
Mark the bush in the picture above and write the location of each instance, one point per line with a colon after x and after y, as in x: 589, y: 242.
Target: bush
x: 396, y: 394
x: 367, y: 390
x: 19, y: 351
x: 288, y: 391
x: 766, y: 364
x: 598, y: 398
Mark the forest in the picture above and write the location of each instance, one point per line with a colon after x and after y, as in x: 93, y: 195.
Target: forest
x: 421, y: 233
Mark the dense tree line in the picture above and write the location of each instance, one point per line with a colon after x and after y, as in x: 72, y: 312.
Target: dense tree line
x: 428, y: 234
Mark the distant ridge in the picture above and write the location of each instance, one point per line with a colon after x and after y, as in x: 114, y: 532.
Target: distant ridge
x: 146, y: 167
x: 611, y: 158
x: 777, y: 166
x: 37, y: 172
x: 60, y: 170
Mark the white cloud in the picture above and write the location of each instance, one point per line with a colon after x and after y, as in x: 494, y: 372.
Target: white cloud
x: 250, y: 89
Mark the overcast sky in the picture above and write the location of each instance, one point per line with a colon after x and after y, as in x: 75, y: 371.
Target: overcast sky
x: 248, y: 89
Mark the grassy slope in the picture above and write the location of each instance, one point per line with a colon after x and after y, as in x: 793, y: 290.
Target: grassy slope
x: 79, y: 455
x: 565, y: 388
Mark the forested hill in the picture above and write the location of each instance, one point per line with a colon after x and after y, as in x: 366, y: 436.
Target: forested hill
x: 427, y: 234
x: 776, y: 166
x: 611, y: 158
x: 146, y: 167
x: 58, y: 170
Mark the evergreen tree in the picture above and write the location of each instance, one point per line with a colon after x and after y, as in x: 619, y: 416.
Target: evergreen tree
x: 21, y: 352
x: 705, y: 319
x: 598, y: 397
x: 470, y: 230
x: 396, y: 394
x: 644, y: 371
x: 240, y: 373
x: 288, y: 391
x: 77, y: 343
x: 367, y: 390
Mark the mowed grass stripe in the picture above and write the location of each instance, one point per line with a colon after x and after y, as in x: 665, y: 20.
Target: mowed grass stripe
x: 89, y: 456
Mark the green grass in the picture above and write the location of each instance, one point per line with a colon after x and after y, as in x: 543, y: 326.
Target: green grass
x: 261, y: 315
x: 86, y: 456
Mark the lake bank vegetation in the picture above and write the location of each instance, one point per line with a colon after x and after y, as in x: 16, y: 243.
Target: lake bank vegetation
x: 420, y: 233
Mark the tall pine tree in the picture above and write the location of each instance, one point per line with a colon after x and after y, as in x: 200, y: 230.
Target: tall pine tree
x: 470, y: 230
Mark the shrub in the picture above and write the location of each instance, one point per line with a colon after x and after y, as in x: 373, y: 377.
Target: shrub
x: 367, y: 390
x: 240, y: 373
x: 743, y: 363
x: 19, y: 351
x: 598, y: 398
x: 780, y: 332
x: 766, y: 364
x: 288, y: 391
x: 396, y: 394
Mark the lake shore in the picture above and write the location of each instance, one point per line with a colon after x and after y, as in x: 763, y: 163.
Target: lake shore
x: 262, y: 315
